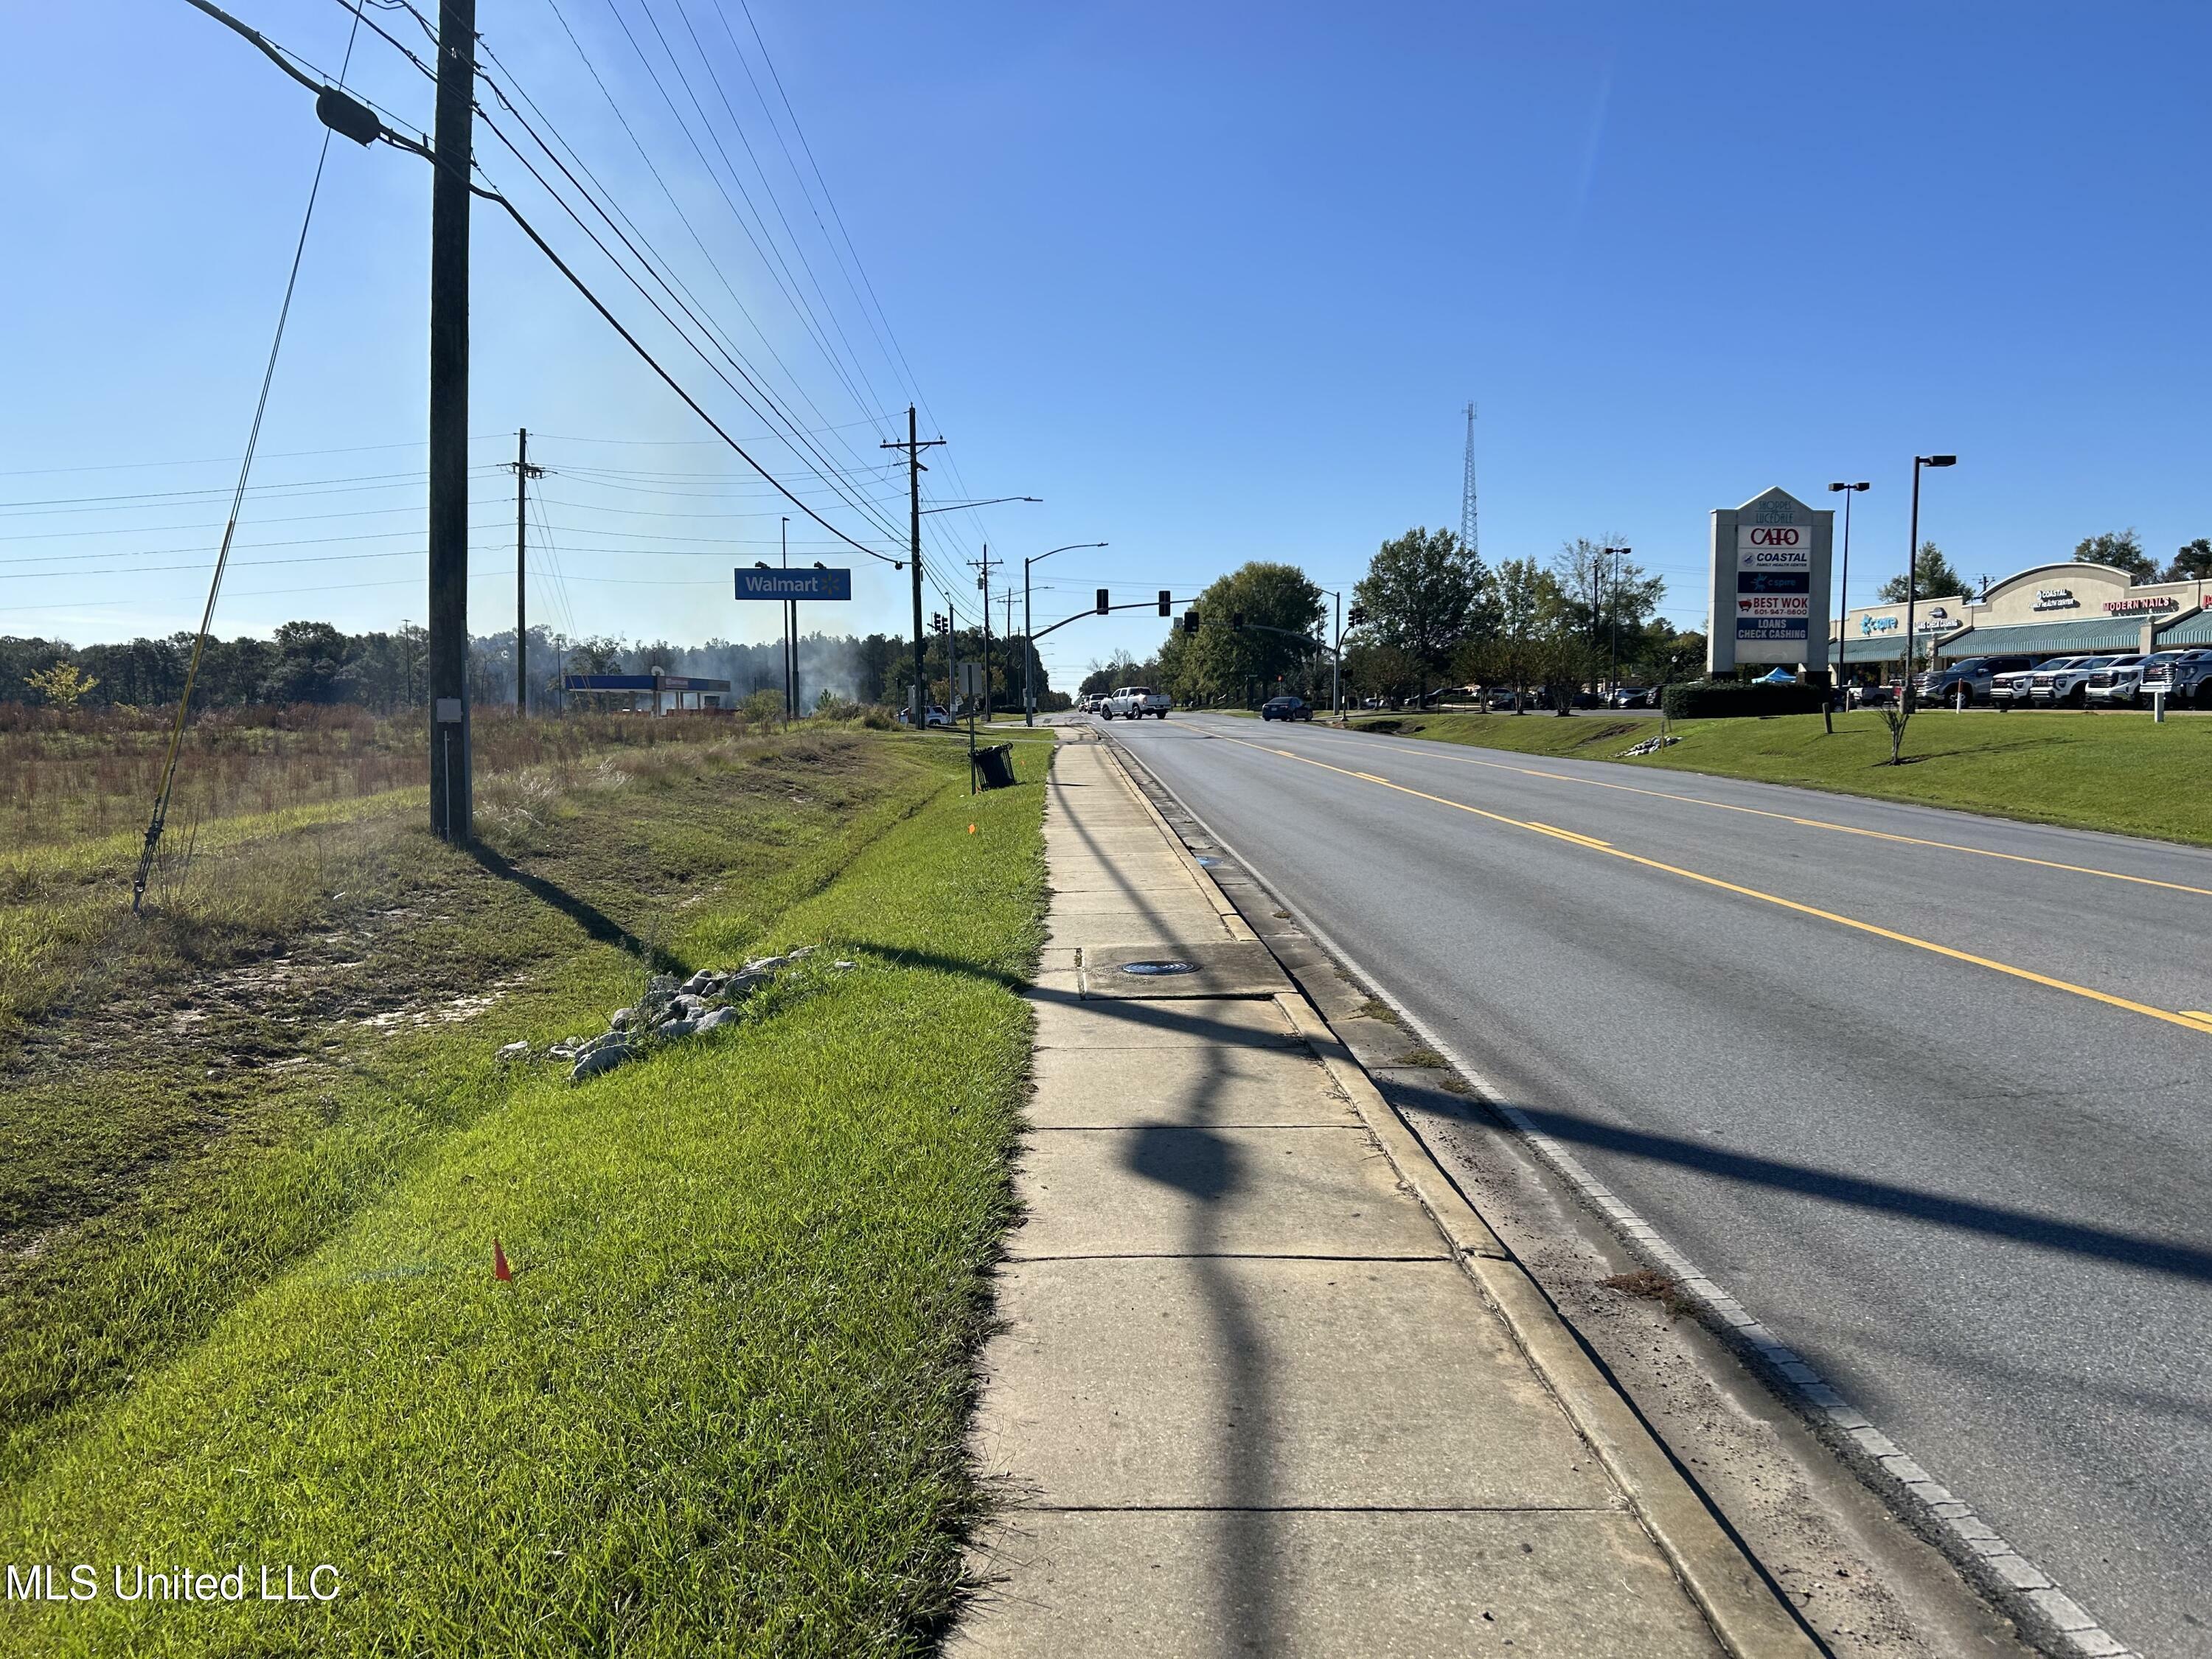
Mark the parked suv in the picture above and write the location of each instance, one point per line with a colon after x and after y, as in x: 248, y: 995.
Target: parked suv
x: 2065, y: 681
x: 1967, y: 682
x: 2187, y: 677
x: 2118, y: 681
x: 2009, y: 691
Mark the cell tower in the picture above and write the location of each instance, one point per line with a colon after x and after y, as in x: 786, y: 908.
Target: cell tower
x: 1467, y: 524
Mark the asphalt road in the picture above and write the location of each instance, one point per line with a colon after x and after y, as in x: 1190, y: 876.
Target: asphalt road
x: 1980, y: 1203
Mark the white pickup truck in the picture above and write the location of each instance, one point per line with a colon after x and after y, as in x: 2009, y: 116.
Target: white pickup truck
x: 1133, y: 703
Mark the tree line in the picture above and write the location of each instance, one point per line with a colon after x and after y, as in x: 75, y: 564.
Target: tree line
x: 313, y: 662
x: 1428, y: 613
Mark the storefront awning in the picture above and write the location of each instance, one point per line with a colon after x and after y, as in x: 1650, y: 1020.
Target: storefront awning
x: 1874, y: 648
x: 2059, y: 639
x: 2195, y: 629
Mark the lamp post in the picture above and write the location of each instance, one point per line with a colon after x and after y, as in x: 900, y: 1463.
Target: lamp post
x: 1029, y: 641
x: 1336, y: 661
x: 1911, y: 569
x: 1613, y: 669
x: 1844, y: 589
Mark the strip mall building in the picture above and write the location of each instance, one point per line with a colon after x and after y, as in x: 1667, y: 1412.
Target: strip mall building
x: 2049, y: 611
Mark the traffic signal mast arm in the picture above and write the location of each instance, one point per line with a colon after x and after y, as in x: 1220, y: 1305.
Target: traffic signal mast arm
x: 1096, y: 610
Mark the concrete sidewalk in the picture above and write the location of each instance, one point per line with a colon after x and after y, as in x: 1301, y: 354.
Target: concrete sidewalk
x: 1266, y: 1384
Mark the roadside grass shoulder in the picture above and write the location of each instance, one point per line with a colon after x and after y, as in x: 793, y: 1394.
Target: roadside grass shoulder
x: 720, y: 1409
x: 2116, y: 772
x: 226, y: 1080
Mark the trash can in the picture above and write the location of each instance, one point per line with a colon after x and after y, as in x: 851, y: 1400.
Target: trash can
x: 995, y: 765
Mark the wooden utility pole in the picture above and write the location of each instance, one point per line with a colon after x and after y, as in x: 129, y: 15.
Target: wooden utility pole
x: 915, y: 468
x: 523, y: 473
x: 983, y: 582
x: 451, y: 796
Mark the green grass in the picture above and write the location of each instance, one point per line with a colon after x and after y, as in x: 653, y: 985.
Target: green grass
x: 2116, y: 772
x: 721, y: 1407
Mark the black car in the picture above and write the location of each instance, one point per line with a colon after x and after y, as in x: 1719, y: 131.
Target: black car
x: 1286, y: 708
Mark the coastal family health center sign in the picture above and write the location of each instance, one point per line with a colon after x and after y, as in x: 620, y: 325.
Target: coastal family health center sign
x: 1769, y: 576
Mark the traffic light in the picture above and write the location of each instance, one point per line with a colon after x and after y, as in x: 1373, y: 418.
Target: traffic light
x: 937, y: 622
x: 1102, y: 606
x: 1236, y: 619
x: 1190, y: 621
x: 1167, y: 604
x: 1358, y: 616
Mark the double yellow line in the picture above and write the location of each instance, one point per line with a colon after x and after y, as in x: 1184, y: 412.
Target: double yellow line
x: 2188, y: 1020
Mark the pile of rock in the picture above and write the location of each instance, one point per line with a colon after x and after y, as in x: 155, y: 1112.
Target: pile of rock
x: 668, y: 1012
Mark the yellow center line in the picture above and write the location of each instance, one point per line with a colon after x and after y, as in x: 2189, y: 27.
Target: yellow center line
x: 1370, y: 777
x: 2186, y: 1021
x: 1440, y: 751
x: 1553, y: 829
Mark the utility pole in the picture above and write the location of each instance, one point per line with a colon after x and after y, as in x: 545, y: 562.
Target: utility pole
x: 915, y: 468
x: 452, y: 793
x: 983, y: 582
x: 523, y: 473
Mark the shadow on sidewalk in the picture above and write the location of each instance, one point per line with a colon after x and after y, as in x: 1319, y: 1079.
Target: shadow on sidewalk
x: 1191, y: 1157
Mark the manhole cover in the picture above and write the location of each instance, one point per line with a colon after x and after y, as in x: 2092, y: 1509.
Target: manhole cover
x: 1148, y: 969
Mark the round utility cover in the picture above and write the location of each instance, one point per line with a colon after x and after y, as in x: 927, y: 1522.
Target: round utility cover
x: 1150, y: 968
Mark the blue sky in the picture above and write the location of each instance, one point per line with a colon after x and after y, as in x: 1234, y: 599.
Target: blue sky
x: 1214, y: 281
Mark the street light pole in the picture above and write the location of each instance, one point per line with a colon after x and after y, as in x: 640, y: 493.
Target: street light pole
x: 1029, y: 640
x: 1613, y: 669
x: 1912, y: 571
x: 1844, y: 589
x: 1336, y: 666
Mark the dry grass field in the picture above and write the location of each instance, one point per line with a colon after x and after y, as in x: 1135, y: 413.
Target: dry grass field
x: 255, y: 1145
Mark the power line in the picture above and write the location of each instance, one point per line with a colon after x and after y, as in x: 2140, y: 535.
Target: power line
x: 653, y: 262
x: 547, y: 250
x: 652, y: 362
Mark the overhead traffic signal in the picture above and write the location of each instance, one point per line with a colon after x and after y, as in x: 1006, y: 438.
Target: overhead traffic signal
x: 1167, y: 604
x: 1190, y: 621
x: 937, y: 624
x: 1104, y: 607
x: 1236, y: 619
x: 1358, y: 616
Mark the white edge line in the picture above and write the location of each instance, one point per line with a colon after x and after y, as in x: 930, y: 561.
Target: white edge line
x: 2017, y: 1585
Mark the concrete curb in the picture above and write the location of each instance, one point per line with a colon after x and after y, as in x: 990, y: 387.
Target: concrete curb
x: 2052, y: 1620
x: 1749, y: 1617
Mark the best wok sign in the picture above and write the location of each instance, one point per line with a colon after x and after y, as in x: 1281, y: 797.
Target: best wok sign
x: 1770, y: 584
